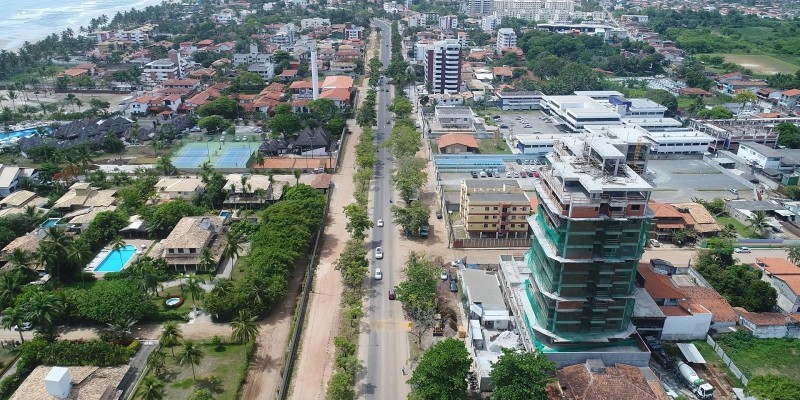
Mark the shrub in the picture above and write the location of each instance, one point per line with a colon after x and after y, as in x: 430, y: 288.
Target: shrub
x: 107, y: 300
x: 133, y: 347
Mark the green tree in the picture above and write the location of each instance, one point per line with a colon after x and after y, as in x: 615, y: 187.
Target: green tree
x: 410, y: 176
x: 441, y: 371
x: 247, y: 82
x: 13, y: 317
x: 358, y: 221
x: 353, y: 264
x: 190, y: 354
x: 323, y: 110
x: 214, y: 124
x: 758, y: 222
x: 773, y: 387
x: 793, y: 254
x: 418, y: 292
x: 233, y: 247
x: 340, y: 387
x: 745, y: 97
x: 222, y: 106
x: 789, y: 135
x: 411, y: 218
x: 284, y: 124
x: 171, y: 335
x: 401, y: 107
x: 521, y: 375
x: 245, y: 328
x: 118, y: 244
x: 192, y: 285
x: 201, y: 394
x: 157, y: 362
x: 107, y: 299
x: 151, y: 389
x: 43, y: 311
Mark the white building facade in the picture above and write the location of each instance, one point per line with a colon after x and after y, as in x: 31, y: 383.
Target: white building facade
x: 443, y: 66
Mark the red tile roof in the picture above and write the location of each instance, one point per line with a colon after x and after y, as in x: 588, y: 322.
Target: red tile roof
x: 274, y: 87
x: 619, y: 381
x: 762, y: 318
x: 695, y: 92
x: 777, y: 266
x: 301, y: 85
x: 341, y: 94
x: 792, y: 92
x: 657, y: 285
x: 457, y: 138
x: 321, y: 181
x: 663, y: 210
x: 711, y: 300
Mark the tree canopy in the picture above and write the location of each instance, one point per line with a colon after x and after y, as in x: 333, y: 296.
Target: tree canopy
x: 441, y: 372
x: 521, y: 375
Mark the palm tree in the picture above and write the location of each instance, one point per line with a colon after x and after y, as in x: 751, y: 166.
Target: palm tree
x: 191, y: 354
x: 758, y: 222
x: 10, y: 287
x: 171, y: 335
x: 794, y: 254
x: 117, y: 244
x: 157, y: 362
x: 244, y: 327
x: 83, y: 155
x: 206, y: 259
x: 297, y: 174
x: 19, y: 258
x: 151, y: 389
x: 11, y: 318
x: 80, y: 254
x: 121, y: 328
x: 232, y: 246
x: 12, y: 95
x: 70, y: 99
x: 42, y: 310
x: 193, y: 283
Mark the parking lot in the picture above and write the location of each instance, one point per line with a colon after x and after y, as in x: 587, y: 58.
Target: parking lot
x: 529, y: 122
x: 678, y: 181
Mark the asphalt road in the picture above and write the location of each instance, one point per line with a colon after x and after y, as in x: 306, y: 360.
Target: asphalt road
x: 385, y: 336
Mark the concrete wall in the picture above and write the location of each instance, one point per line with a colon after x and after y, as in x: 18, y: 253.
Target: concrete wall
x: 639, y: 359
x: 688, y: 327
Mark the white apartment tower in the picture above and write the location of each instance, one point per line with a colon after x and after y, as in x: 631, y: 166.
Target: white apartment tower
x: 506, y: 38
x: 535, y: 10
x: 448, y: 22
x: 479, y: 7
x: 443, y: 66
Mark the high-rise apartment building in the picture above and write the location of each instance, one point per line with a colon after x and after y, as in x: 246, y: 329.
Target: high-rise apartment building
x: 506, y: 38
x: 448, y: 22
x: 534, y: 10
x: 478, y: 7
x: 443, y: 66
x: 589, y: 234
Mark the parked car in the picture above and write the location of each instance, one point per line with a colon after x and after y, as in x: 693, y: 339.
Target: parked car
x: 519, y: 162
x: 378, y: 274
x: 378, y: 253
x: 392, y: 294
x: 734, y: 191
x: 439, y: 215
x: 496, y: 174
x: 508, y: 174
x: 655, y: 243
x: 522, y: 174
x: 443, y: 275
x: 25, y: 326
x: 453, y: 286
x: 474, y: 174
x: 457, y: 263
x: 380, y: 223
x: 503, y: 126
x: 741, y: 250
x: 516, y: 174
x: 483, y: 174
x: 535, y: 174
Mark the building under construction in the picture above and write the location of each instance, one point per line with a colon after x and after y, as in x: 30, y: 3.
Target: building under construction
x: 728, y: 133
x: 589, y: 234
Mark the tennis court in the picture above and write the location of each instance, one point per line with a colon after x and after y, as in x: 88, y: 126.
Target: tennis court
x: 234, y: 157
x: 191, y: 157
x: 223, y: 155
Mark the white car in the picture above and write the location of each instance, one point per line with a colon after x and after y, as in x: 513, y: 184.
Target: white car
x: 741, y: 250
x: 378, y: 253
x: 457, y: 263
x: 25, y: 326
x: 378, y: 274
x: 443, y: 275
x: 379, y: 223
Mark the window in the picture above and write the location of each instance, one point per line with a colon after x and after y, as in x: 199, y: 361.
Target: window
x: 180, y: 251
x: 485, y: 217
x: 485, y: 225
x: 171, y: 251
x: 192, y: 251
x: 494, y: 225
x: 487, y: 208
x: 635, y: 207
x: 513, y: 208
x: 495, y: 209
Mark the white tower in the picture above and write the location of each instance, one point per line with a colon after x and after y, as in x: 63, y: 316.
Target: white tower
x: 314, y: 72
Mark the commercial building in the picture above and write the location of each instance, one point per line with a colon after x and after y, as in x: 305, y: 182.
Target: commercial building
x: 579, y: 111
x: 535, y: 10
x: 494, y: 209
x: 443, y: 66
x: 519, y: 100
x: 767, y: 158
x: 160, y: 71
x: 506, y: 38
x: 589, y: 234
x: 311, y: 23
x: 479, y: 7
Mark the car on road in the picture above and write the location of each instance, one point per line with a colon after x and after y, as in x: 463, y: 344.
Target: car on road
x: 503, y: 126
x: 734, y: 191
x: 522, y: 174
x: 439, y: 215
x: 392, y: 294
x: 453, y: 286
x: 516, y: 174
x: 443, y: 275
x: 378, y: 274
x: 741, y: 250
x: 25, y: 326
x: 378, y: 253
x: 379, y: 223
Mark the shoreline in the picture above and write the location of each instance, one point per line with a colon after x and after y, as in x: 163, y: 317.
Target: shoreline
x: 74, y: 22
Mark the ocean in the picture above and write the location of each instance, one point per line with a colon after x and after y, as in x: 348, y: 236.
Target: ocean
x: 32, y: 20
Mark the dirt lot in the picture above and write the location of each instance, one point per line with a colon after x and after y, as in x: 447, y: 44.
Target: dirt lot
x: 34, y: 99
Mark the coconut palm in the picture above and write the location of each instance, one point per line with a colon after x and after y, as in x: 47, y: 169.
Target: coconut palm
x: 151, y: 389
x: 12, y: 95
x: 206, y: 260
x: 244, y: 327
x: 794, y: 254
x: 157, y: 362
x: 42, y: 310
x: 79, y: 253
x: 70, y: 99
x: 19, y: 258
x: 758, y: 222
x: 192, y: 285
x: 118, y: 244
x: 171, y: 335
x: 12, y: 317
x: 232, y: 246
x: 121, y: 329
x: 190, y: 353
x: 10, y: 287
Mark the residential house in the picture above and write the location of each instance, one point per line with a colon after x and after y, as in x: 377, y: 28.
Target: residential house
x: 454, y: 143
x: 494, y: 209
x: 485, y: 299
x: 79, y: 220
x: 768, y: 325
x: 684, y: 319
x: 183, y: 248
x: 81, y: 195
x: 188, y: 188
x: 339, y: 96
x: 723, y: 317
x: 593, y: 380
x: 248, y: 191
x: 695, y: 92
x: 17, y: 202
x: 314, y: 141
x: 28, y: 243
x: 784, y: 276
x: 666, y: 221
x: 790, y: 98
x: 10, y: 176
x: 704, y: 224
x: 302, y: 89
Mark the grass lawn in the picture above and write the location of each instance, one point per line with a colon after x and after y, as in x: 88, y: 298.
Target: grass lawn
x: 760, y: 63
x: 766, y: 356
x: 713, y: 361
x: 219, y: 372
x: 741, y: 229
x: 175, y: 292
x: 490, y: 146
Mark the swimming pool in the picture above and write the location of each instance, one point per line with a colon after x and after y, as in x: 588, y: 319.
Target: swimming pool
x: 6, y: 136
x: 115, y: 260
x: 50, y: 222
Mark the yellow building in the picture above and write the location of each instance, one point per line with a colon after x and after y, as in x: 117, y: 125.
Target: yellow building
x: 494, y: 209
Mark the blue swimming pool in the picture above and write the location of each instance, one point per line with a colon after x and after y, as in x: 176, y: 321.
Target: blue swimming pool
x: 115, y: 260
x: 5, y: 136
x: 50, y: 222
x: 225, y: 214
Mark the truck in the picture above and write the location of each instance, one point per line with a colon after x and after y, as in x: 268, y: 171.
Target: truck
x: 438, y: 325
x: 702, y: 389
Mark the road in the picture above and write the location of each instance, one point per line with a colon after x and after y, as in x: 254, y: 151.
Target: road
x: 383, y: 344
